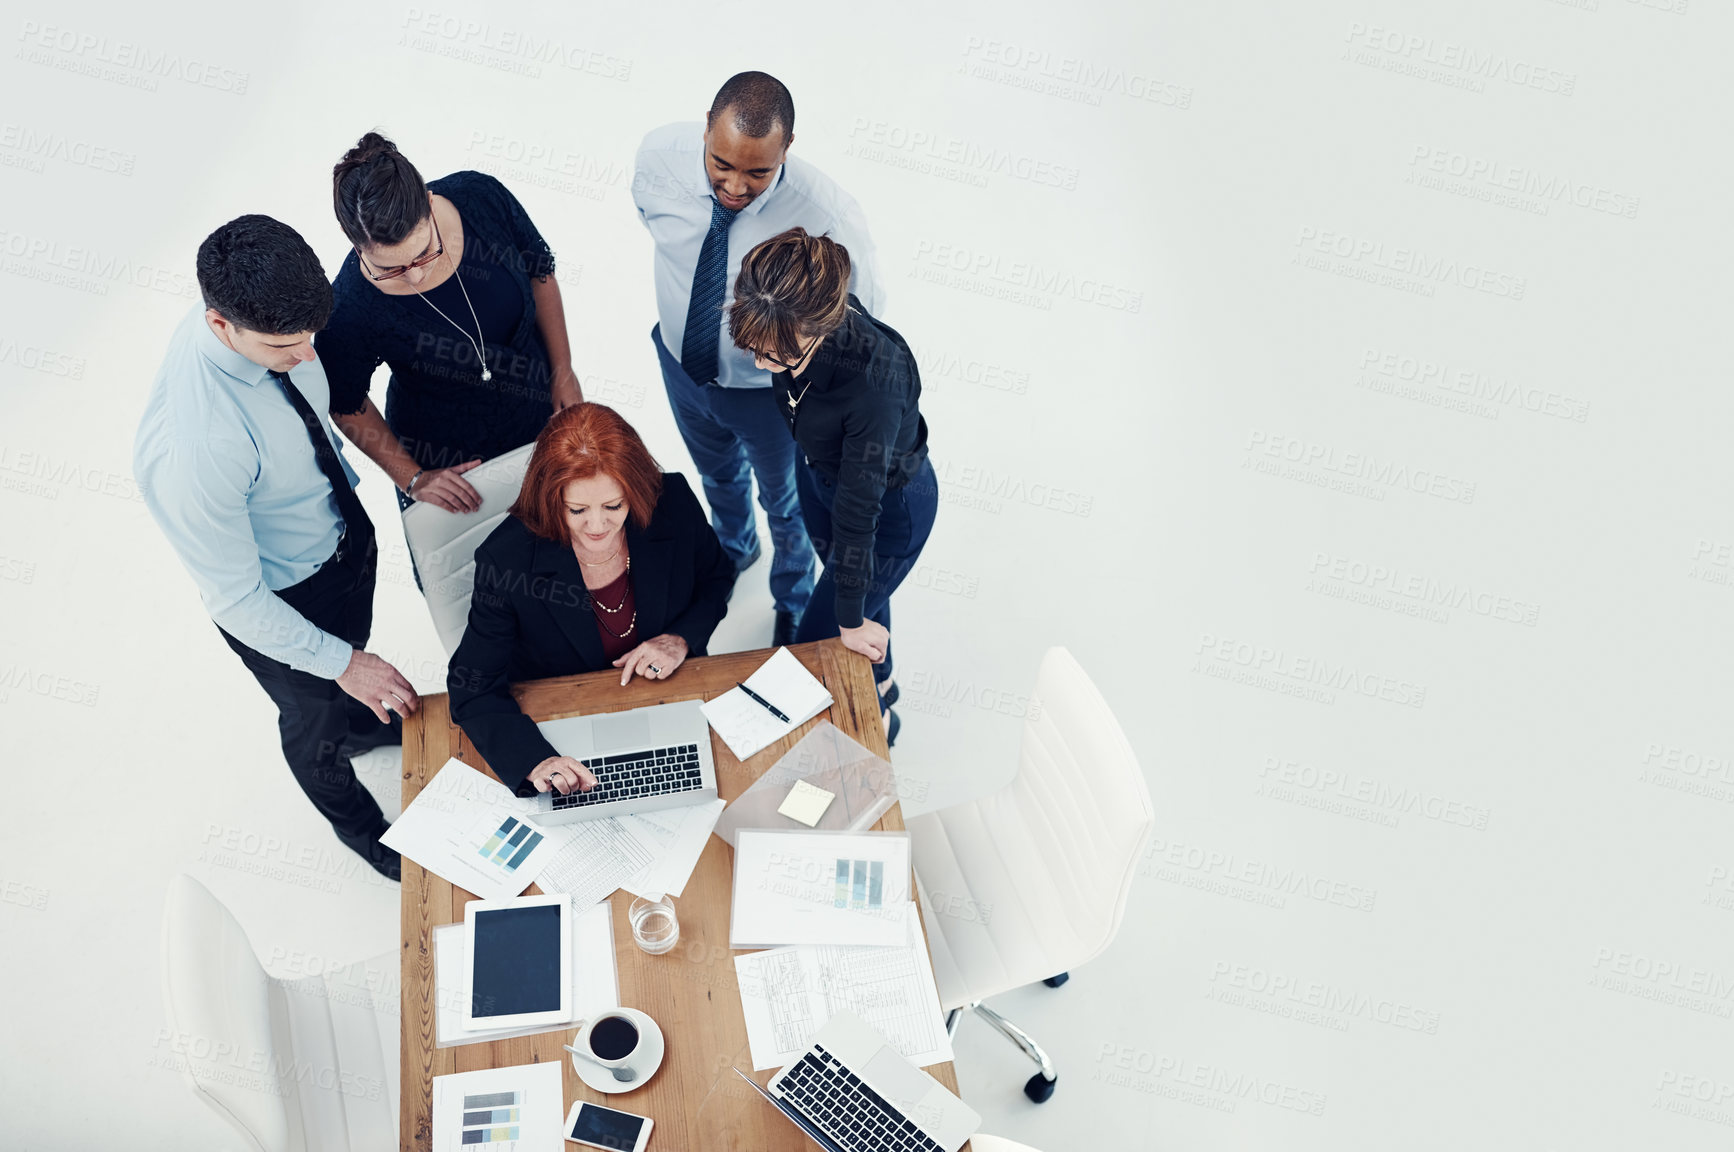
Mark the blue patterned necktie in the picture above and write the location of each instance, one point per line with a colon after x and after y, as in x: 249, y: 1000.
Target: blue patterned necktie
x: 698, y: 347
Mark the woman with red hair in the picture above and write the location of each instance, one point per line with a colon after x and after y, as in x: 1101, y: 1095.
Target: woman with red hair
x: 606, y: 560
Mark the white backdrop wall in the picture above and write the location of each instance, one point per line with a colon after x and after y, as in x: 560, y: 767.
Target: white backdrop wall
x: 1336, y: 381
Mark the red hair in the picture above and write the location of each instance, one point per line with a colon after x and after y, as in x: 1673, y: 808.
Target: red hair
x: 583, y: 441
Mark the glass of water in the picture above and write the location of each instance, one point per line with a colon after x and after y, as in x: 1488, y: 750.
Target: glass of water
x: 654, y: 927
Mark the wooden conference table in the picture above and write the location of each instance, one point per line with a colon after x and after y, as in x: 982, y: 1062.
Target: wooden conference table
x: 695, y: 1099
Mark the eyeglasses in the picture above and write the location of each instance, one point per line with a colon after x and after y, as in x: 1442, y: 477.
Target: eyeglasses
x: 787, y: 366
x: 418, y: 262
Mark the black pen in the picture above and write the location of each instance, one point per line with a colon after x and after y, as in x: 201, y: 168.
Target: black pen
x: 774, y: 710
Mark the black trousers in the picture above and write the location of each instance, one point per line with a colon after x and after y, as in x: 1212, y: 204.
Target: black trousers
x: 321, y: 725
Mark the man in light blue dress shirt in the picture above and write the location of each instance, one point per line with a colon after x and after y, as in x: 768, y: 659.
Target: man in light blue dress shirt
x: 240, y: 469
x: 708, y: 192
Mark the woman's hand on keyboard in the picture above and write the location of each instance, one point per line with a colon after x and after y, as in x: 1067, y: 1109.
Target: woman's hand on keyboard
x: 562, y: 774
x: 655, y: 659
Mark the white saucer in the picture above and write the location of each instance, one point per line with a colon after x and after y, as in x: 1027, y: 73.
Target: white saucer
x: 645, y: 1062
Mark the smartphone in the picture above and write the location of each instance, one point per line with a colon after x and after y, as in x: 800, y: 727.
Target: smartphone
x: 597, y: 1127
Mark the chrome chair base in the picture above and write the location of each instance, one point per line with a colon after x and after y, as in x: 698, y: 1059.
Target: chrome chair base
x: 1038, y: 1087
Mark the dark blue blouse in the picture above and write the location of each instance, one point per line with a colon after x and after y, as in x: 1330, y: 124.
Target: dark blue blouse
x: 436, y: 401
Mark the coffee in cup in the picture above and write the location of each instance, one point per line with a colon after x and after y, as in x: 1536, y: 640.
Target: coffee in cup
x: 613, y: 1037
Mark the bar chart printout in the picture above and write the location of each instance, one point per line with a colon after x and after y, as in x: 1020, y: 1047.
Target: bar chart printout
x: 470, y: 830
x: 860, y: 884
x: 511, y: 845
x: 515, y: 1109
x: 491, y: 1117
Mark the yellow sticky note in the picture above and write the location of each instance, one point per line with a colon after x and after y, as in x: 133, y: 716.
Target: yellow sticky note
x: 805, y: 803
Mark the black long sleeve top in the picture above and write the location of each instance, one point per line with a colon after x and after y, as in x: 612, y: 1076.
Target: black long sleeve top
x: 854, y: 414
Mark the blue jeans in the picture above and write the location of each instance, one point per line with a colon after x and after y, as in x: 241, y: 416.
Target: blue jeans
x: 905, y: 521
x: 735, y: 434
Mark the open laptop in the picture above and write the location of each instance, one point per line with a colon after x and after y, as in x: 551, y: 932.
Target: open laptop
x: 644, y: 759
x: 852, y: 1092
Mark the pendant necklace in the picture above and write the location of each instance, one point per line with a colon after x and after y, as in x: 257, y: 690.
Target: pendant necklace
x: 479, y: 344
x: 795, y: 401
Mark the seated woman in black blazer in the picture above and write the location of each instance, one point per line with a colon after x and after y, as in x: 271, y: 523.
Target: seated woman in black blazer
x: 605, y: 560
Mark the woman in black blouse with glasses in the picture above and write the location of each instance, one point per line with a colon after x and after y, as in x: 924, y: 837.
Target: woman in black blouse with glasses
x: 451, y: 285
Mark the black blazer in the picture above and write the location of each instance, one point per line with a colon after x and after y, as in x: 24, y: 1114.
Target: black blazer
x: 530, y: 618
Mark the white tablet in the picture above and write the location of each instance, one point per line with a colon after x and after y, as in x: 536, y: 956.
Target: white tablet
x: 517, y: 962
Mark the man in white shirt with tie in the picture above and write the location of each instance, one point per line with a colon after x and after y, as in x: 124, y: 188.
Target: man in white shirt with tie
x: 240, y: 470
x: 708, y: 192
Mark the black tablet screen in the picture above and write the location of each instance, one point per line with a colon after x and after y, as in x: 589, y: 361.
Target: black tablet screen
x: 516, y: 961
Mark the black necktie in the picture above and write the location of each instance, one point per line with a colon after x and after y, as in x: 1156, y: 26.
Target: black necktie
x: 360, y: 528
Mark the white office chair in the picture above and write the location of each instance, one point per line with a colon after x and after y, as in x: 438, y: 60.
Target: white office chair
x: 308, y: 1065
x: 1032, y: 880
x: 443, y: 544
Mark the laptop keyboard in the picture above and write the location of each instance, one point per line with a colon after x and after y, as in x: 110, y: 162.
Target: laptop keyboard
x: 840, y: 1102
x: 635, y: 775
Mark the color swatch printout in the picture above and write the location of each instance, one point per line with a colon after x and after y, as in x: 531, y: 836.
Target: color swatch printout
x: 491, y: 1117
x: 511, y: 845
x: 513, y: 1109
x: 860, y: 884
x: 469, y: 829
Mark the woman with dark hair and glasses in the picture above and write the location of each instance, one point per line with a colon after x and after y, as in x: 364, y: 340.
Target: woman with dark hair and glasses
x: 848, y: 387
x: 451, y: 285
